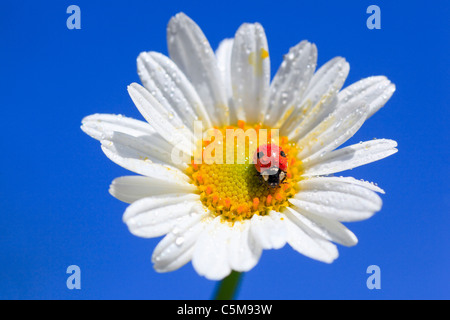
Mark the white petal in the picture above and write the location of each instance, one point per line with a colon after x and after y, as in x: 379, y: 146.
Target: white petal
x: 157, y: 215
x: 350, y: 180
x: 329, y: 229
x: 165, y: 81
x: 243, y: 251
x: 141, y: 148
x: 319, y: 96
x: 130, y: 138
x: 131, y: 160
x: 269, y: 230
x: 337, y: 199
x: 177, y: 247
x: 190, y: 50
x: 210, y: 257
x: 308, y: 242
x: 350, y: 157
x: 223, y: 54
x: 290, y: 82
x: 374, y: 91
x: 250, y: 72
x: 336, y: 129
x: 167, y: 125
x: 149, y: 107
x: 102, y: 126
x: 133, y: 188
x: 314, y: 116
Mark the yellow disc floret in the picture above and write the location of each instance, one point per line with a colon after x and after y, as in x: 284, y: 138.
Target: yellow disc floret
x: 230, y: 186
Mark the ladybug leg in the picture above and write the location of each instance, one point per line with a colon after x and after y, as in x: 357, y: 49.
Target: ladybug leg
x: 260, y: 178
x: 261, y: 181
x: 284, y: 179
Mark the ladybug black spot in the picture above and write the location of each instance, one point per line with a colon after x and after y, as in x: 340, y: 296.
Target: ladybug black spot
x: 283, y: 154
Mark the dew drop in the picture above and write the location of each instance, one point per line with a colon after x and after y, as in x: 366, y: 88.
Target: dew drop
x: 179, y: 241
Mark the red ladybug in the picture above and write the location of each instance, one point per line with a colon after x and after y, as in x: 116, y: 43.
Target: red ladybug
x: 271, y: 163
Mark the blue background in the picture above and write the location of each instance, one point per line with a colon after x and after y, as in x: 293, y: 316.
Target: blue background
x: 55, y: 206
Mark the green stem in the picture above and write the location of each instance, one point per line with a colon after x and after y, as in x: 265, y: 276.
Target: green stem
x: 227, y: 288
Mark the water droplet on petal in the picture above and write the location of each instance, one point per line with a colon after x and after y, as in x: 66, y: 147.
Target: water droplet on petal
x: 179, y: 241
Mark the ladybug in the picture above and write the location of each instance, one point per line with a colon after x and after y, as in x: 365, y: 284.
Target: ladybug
x: 271, y: 163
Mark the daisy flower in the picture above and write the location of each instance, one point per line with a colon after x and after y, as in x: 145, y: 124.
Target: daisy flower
x: 221, y: 216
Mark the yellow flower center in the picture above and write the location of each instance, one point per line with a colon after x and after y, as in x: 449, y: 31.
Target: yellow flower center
x: 230, y: 185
